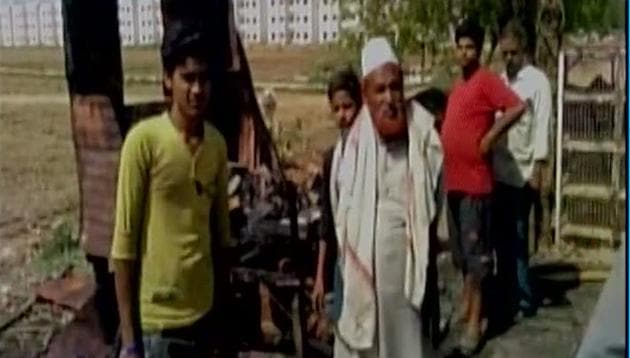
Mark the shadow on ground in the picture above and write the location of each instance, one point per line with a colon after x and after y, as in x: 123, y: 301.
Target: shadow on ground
x: 566, y: 305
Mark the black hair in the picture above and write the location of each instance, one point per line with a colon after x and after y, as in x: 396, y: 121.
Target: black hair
x: 515, y: 29
x: 470, y: 28
x: 345, y: 80
x: 433, y: 99
x: 184, y: 39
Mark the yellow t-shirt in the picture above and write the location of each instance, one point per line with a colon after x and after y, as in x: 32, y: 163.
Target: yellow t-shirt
x: 170, y: 204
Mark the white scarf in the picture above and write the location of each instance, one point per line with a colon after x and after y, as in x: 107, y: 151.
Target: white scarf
x: 355, y: 218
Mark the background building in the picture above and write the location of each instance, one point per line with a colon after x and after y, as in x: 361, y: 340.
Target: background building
x: 300, y: 22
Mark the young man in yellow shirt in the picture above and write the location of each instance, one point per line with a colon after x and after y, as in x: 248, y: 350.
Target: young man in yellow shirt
x: 172, y: 211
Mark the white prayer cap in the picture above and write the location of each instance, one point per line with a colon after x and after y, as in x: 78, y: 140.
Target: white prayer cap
x: 376, y: 53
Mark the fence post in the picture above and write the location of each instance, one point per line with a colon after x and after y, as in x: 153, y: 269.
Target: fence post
x: 558, y: 161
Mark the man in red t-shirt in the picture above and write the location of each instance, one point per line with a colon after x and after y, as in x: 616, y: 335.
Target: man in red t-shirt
x: 468, y: 134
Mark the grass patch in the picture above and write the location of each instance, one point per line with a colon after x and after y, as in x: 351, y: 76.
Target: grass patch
x: 60, y: 252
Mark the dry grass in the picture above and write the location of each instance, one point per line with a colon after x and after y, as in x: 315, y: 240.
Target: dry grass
x: 37, y: 170
x: 37, y: 167
x: 36, y: 58
x: 267, y: 63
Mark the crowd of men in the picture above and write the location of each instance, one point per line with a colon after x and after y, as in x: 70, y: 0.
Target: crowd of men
x: 399, y: 168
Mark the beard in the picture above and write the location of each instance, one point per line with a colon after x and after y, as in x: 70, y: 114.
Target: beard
x: 512, y: 70
x: 392, y: 126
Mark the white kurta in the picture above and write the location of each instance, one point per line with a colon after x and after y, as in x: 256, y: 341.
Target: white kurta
x: 399, y: 327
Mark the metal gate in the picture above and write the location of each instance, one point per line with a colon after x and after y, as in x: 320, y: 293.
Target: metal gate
x: 590, y: 173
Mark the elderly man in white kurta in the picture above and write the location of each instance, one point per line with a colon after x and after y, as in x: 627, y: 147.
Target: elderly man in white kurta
x: 387, y: 180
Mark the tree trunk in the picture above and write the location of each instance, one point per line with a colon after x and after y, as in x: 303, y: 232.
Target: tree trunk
x: 549, y: 29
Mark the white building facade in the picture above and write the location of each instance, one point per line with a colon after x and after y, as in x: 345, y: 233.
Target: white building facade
x: 47, y: 29
x: 6, y: 26
x: 281, y: 22
x: 300, y: 22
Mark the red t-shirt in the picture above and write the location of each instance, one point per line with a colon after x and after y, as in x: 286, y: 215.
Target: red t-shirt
x: 470, y: 114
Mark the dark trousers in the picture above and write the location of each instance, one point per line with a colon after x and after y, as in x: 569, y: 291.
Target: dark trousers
x: 190, y: 341
x: 105, y: 298
x: 512, y: 206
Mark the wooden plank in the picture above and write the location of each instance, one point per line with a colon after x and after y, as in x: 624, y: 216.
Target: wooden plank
x: 572, y: 96
x: 588, y: 232
x: 593, y: 191
x: 597, y: 51
x: 590, y: 191
x: 602, y: 146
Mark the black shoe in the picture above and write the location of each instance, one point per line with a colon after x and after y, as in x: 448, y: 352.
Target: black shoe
x: 528, y: 310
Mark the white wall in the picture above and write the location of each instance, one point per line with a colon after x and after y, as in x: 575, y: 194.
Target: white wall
x: 287, y: 21
x: 146, y: 22
x: 58, y: 21
x: 126, y: 23
x: 6, y: 27
x: 18, y: 22
x: 46, y: 24
x: 32, y: 23
x: 277, y: 22
x: 328, y: 18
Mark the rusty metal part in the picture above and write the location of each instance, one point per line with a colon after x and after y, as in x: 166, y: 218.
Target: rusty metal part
x: 73, y: 290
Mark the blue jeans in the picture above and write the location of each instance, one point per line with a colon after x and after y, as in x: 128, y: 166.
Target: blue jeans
x: 195, y: 340
x: 333, y: 305
x: 512, y: 209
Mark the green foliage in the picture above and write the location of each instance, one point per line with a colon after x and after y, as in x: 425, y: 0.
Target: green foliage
x: 324, y: 67
x: 61, y: 251
x: 594, y: 15
x: 411, y: 23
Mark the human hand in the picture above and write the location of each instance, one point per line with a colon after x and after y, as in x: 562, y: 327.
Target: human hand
x: 318, y: 295
x: 485, y: 145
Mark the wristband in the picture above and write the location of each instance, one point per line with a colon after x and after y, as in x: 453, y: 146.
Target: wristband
x: 131, y: 349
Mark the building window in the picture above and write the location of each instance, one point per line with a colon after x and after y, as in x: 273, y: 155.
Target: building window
x: 305, y: 19
x: 273, y: 35
x: 273, y: 20
x: 334, y: 17
x: 281, y: 18
x: 273, y: 3
x: 305, y: 36
x: 325, y: 35
x: 334, y: 35
x: 305, y: 2
x: 297, y: 35
x: 325, y: 17
x: 255, y: 37
x: 254, y: 21
x: 253, y: 4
